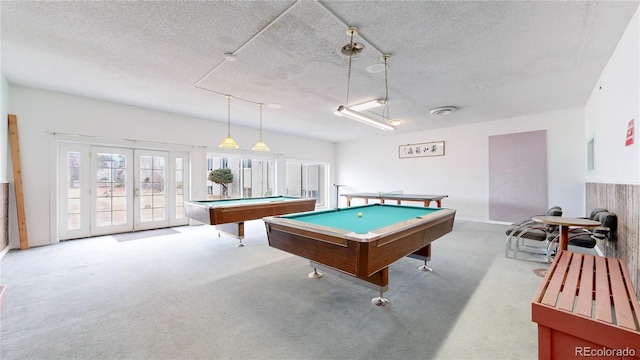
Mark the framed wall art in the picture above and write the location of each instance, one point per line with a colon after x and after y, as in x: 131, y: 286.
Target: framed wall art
x: 435, y: 148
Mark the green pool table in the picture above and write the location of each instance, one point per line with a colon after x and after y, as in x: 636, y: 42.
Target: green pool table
x: 229, y: 215
x: 360, y: 242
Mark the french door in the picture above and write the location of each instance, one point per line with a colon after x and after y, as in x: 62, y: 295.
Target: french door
x: 107, y: 190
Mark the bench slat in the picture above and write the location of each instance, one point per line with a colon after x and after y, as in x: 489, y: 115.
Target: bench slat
x: 622, y: 308
x: 585, y: 293
x: 635, y: 305
x: 555, y: 282
x: 570, y: 288
x: 603, y: 298
x: 545, y: 282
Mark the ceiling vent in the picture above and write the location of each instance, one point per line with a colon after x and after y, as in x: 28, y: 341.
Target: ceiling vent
x: 443, y: 110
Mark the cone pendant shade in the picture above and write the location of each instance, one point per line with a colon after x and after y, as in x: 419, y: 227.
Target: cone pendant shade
x: 260, y: 146
x: 228, y: 143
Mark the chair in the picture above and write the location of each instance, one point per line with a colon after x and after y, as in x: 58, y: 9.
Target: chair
x: 529, y: 240
x: 588, y: 238
x: 594, y: 212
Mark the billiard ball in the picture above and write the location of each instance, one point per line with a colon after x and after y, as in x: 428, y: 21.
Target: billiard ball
x: 359, y: 214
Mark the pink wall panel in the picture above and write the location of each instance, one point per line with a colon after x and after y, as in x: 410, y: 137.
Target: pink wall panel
x: 517, y: 175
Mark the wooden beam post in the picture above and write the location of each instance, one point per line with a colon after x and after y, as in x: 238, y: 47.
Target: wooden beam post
x: 17, y: 179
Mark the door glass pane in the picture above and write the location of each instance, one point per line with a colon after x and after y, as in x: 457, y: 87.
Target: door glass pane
x: 119, y: 217
x: 73, y: 191
x: 111, y: 206
x: 152, y: 191
x: 179, y: 210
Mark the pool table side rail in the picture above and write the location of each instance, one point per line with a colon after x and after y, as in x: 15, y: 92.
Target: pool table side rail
x: 213, y: 215
x: 398, y: 244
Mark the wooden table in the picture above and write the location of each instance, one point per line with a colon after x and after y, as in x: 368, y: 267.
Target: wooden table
x: 586, y: 308
x: 564, y: 223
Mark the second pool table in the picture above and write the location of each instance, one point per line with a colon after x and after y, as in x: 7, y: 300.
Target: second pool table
x: 359, y: 242
x: 229, y: 215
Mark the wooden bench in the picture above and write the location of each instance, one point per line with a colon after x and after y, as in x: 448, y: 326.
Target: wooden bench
x: 586, y: 307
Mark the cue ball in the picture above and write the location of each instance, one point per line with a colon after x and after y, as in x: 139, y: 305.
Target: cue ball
x: 359, y: 214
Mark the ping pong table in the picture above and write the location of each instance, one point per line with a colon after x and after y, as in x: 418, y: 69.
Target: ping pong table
x: 398, y: 197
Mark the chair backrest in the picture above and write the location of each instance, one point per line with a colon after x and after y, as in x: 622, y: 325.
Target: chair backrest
x: 554, y: 211
x: 609, y: 220
x: 595, y: 212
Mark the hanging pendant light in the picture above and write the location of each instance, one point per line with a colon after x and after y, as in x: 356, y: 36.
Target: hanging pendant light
x: 353, y: 49
x: 260, y: 145
x: 228, y: 142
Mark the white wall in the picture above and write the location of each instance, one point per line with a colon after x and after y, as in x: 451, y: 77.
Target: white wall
x: 462, y: 173
x: 613, y: 102
x: 41, y: 113
x: 4, y: 128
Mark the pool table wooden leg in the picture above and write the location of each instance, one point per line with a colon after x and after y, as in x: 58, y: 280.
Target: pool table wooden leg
x: 315, y: 274
x: 377, y: 281
x: 235, y: 229
x: 380, y: 300
x: 423, y: 254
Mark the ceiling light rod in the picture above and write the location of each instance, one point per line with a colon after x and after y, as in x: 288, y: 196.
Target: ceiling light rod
x: 351, y: 31
x: 234, y: 53
x: 228, y: 142
x: 354, y: 115
x: 385, y: 112
x: 225, y: 95
x: 260, y: 145
x: 323, y: 6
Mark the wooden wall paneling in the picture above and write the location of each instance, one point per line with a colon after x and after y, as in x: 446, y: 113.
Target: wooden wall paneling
x: 634, y: 235
x: 624, y: 201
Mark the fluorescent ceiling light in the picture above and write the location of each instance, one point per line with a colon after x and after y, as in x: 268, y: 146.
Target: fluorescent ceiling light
x: 354, y: 115
x: 367, y: 105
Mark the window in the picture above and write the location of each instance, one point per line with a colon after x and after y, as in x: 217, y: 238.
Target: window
x: 591, y: 167
x: 250, y: 177
x: 307, y: 180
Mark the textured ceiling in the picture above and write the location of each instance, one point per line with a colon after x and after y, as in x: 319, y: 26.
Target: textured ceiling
x: 493, y: 60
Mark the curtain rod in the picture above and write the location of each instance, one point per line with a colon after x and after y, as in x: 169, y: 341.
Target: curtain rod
x: 54, y: 133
